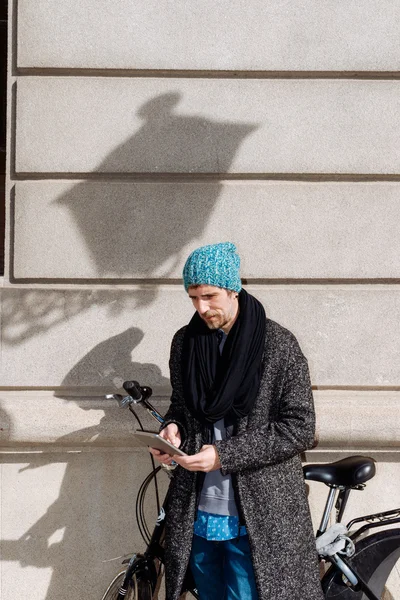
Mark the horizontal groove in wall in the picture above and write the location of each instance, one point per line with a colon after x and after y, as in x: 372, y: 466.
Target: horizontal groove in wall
x: 206, y: 177
x: 21, y: 448
x: 162, y: 393
x: 159, y: 393
x: 138, y: 282
x: 203, y: 74
x: 357, y: 388
x: 14, y: 453
x: 391, y: 455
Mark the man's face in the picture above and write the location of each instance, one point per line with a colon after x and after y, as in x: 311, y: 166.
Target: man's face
x: 216, y: 306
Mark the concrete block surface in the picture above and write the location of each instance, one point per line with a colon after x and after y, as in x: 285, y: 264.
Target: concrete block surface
x: 100, y: 230
x: 347, y: 421
x: 357, y: 420
x: 80, y: 338
x: 153, y: 125
x: 68, y: 519
x: 232, y: 35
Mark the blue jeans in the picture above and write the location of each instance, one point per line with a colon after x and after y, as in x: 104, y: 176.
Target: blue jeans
x: 223, y: 570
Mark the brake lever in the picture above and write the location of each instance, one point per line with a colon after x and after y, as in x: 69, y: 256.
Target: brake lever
x: 123, y: 401
x: 127, y: 401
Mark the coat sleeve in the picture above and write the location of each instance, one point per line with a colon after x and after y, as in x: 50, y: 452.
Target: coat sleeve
x: 290, y: 432
x: 177, y: 411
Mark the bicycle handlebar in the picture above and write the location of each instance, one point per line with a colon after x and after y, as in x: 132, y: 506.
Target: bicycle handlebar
x: 133, y: 389
x: 137, y: 394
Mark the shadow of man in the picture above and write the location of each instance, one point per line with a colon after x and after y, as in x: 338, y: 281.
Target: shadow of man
x: 5, y: 426
x: 139, y: 230
x: 92, y: 521
x: 130, y: 231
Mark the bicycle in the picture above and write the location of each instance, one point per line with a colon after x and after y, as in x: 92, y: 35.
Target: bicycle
x: 360, y: 564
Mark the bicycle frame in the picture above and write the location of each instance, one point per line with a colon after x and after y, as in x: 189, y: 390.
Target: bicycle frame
x: 351, y: 573
x: 374, y: 558
x: 143, y: 564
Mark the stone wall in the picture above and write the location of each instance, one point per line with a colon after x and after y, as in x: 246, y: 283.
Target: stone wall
x: 137, y: 132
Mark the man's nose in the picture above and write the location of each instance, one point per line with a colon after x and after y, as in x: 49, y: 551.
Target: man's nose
x: 203, y: 306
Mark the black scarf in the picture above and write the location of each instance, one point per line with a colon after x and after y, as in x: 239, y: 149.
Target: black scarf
x: 225, y: 386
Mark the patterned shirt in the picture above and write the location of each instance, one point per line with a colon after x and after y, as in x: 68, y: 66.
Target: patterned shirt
x: 218, y: 528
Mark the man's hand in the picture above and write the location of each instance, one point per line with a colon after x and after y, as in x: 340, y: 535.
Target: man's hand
x: 171, y: 434
x: 206, y: 460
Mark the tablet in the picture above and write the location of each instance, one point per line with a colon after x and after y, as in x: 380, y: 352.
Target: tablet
x: 153, y: 440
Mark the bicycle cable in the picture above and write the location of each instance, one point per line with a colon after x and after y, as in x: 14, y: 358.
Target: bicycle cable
x: 140, y: 499
x: 138, y: 518
x: 139, y: 509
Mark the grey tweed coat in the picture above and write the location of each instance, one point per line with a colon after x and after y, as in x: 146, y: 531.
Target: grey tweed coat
x: 263, y: 454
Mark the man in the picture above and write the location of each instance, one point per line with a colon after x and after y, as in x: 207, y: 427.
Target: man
x: 242, y: 409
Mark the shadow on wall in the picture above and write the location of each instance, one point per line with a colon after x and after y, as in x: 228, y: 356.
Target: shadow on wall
x: 135, y: 231
x: 36, y: 311
x: 128, y: 234
x: 109, y: 364
x: 5, y: 427
x: 139, y: 231
x: 92, y: 521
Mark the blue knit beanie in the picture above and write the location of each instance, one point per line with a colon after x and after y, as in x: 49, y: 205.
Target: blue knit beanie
x: 216, y: 264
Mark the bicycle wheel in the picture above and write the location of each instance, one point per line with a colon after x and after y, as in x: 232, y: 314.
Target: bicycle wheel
x: 374, y: 559
x: 139, y: 589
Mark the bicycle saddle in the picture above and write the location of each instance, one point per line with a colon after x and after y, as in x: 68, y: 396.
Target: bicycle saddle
x: 348, y: 472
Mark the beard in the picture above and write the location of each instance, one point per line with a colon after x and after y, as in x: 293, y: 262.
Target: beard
x: 218, y: 322
x: 213, y: 325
